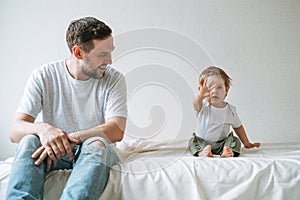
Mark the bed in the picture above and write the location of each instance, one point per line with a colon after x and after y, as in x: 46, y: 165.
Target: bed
x: 166, y: 170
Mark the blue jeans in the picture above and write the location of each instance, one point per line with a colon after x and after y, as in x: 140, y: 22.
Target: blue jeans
x: 90, y: 170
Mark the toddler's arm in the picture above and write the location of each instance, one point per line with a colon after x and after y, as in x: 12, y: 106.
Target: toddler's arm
x: 241, y: 133
x: 203, y: 93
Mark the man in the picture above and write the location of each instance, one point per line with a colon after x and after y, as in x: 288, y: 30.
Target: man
x: 83, y: 105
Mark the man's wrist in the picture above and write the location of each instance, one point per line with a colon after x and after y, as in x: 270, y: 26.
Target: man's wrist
x: 78, y: 137
x: 40, y: 128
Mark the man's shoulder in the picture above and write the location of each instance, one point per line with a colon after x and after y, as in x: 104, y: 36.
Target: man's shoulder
x: 50, y: 68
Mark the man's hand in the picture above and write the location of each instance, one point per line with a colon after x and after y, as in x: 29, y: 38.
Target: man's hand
x: 55, y: 145
x: 41, y: 154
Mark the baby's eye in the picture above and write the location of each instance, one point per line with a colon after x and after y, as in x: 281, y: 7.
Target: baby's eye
x: 220, y: 87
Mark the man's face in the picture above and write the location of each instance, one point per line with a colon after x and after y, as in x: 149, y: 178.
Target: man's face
x: 95, y: 62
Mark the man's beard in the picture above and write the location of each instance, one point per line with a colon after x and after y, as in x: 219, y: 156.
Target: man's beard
x: 93, y: 73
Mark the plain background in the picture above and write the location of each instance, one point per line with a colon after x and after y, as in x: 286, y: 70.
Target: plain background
x: 161, y: 47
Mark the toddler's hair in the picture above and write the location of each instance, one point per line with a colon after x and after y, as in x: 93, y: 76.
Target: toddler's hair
x: 212, y: 70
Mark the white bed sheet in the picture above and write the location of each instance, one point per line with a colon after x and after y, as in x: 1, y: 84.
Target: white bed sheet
x: 166, y: 170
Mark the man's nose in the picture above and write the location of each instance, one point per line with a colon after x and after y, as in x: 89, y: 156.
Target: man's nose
x: 108, y: 59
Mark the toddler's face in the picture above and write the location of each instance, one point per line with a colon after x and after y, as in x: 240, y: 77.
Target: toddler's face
x: 217, y: 90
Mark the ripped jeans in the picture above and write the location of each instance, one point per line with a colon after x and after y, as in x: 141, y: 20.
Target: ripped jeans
x: 90, y: 170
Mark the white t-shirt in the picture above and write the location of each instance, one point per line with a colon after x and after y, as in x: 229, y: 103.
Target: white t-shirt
x: 70, y: 104
x: 214, y: 123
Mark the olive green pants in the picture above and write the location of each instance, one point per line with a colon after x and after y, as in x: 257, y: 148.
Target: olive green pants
x: 197, y: 144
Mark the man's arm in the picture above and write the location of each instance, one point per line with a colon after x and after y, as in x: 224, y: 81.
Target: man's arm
x: 112, y: 130
x: 22, y: 125
x: 54, y: 140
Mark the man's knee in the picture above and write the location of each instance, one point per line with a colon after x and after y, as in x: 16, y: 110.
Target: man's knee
x: 96, y: 142
x: 95, y: 145
x: 98, y: 148
x: 28, y: 145
x: 30, y: 141
x: 94, y: 149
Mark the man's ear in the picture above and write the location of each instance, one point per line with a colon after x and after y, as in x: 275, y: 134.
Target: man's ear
x: 77, y: 52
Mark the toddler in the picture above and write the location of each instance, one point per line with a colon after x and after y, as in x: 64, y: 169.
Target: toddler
x: 215, y: 117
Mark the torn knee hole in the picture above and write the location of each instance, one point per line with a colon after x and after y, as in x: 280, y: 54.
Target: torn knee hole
x: 97, y: 143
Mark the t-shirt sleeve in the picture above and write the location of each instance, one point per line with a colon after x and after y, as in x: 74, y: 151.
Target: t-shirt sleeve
x: 31, y: 101
x: 117, y: 99
x: 236, y: 122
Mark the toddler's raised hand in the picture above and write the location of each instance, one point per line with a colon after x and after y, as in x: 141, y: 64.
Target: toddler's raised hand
x: 204, y: 92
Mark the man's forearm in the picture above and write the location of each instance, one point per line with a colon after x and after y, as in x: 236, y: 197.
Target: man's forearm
x: 23, y: 125
x: 112, y: 130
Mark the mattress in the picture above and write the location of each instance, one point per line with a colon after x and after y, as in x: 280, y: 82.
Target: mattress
x: 166, y: 170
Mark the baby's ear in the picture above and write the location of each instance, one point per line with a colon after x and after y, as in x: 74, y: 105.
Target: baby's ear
x: 200, y: 85
x: 227, y: 90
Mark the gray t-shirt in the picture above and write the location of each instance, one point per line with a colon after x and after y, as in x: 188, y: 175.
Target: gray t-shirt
x: 70, y: 104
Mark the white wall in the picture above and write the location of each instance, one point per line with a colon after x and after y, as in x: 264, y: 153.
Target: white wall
x: 161, y: 46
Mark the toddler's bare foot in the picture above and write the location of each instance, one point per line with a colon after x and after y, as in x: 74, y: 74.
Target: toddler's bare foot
x: 227, y: 152
x: 206, y: 152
